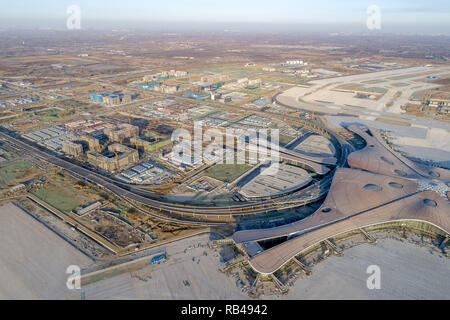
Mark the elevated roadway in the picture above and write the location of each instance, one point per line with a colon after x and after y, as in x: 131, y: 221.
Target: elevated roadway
x: 137, y: 196
x: 131, y: 194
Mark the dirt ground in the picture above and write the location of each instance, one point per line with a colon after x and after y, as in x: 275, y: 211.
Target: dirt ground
x: 187, y: 274
x: 33, y: 259
x: 408, y: 271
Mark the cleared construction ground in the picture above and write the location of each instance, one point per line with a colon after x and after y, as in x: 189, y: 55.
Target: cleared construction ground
x: 187, y: 274
x: 408, y: 271
x: 33, y: 259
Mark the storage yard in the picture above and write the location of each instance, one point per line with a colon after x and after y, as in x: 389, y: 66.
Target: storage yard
x: 408, y: 271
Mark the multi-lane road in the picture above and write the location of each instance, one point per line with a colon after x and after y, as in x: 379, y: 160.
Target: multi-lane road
x: 165, y: 210
x: 131, y: 194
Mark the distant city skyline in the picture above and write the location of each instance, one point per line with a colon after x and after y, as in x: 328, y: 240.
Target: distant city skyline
x: 347, y: 15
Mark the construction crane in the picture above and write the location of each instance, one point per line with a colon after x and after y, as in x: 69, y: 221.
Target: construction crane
x: 117, y: 160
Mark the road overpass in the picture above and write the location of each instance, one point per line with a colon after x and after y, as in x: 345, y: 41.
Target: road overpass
x: 132, y: 196
x: 381, y: 188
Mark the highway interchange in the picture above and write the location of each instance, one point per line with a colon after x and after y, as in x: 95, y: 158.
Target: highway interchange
x: 166, y: 209
x: 135, y: 196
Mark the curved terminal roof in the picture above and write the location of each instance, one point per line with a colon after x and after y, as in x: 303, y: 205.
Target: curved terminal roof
x: 378, y: 157
x: 347, y: 196
x: 397, y: 189
x: 410, y: 208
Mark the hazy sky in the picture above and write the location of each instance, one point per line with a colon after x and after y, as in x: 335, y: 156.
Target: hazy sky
x: 404, y: 15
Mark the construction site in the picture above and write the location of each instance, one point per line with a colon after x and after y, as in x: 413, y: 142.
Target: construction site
x: 150, y: 166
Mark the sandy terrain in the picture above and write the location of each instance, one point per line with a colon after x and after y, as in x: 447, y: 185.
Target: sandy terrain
x: 165, y: 281
x: 407, y: 272
x: 33, y: 262
x: 33, y: 259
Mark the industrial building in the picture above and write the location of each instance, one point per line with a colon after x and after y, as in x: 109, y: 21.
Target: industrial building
x: 149, y: 85
x: 178, y: 74
x: 87, y: 126
x: 121, y: 132
x: 89, y: 208
x: 50, y: 138
x: 166, y: 88
x: 158, y: 259
x: 295, y: 62
x: 93, y: 143
x: 150, y: 146
x: 213, y: 79
x: 387, y: 190
x: 118, y: 158
x: 44, y: 134
x: 71, y: 148
x: 112, y: 98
